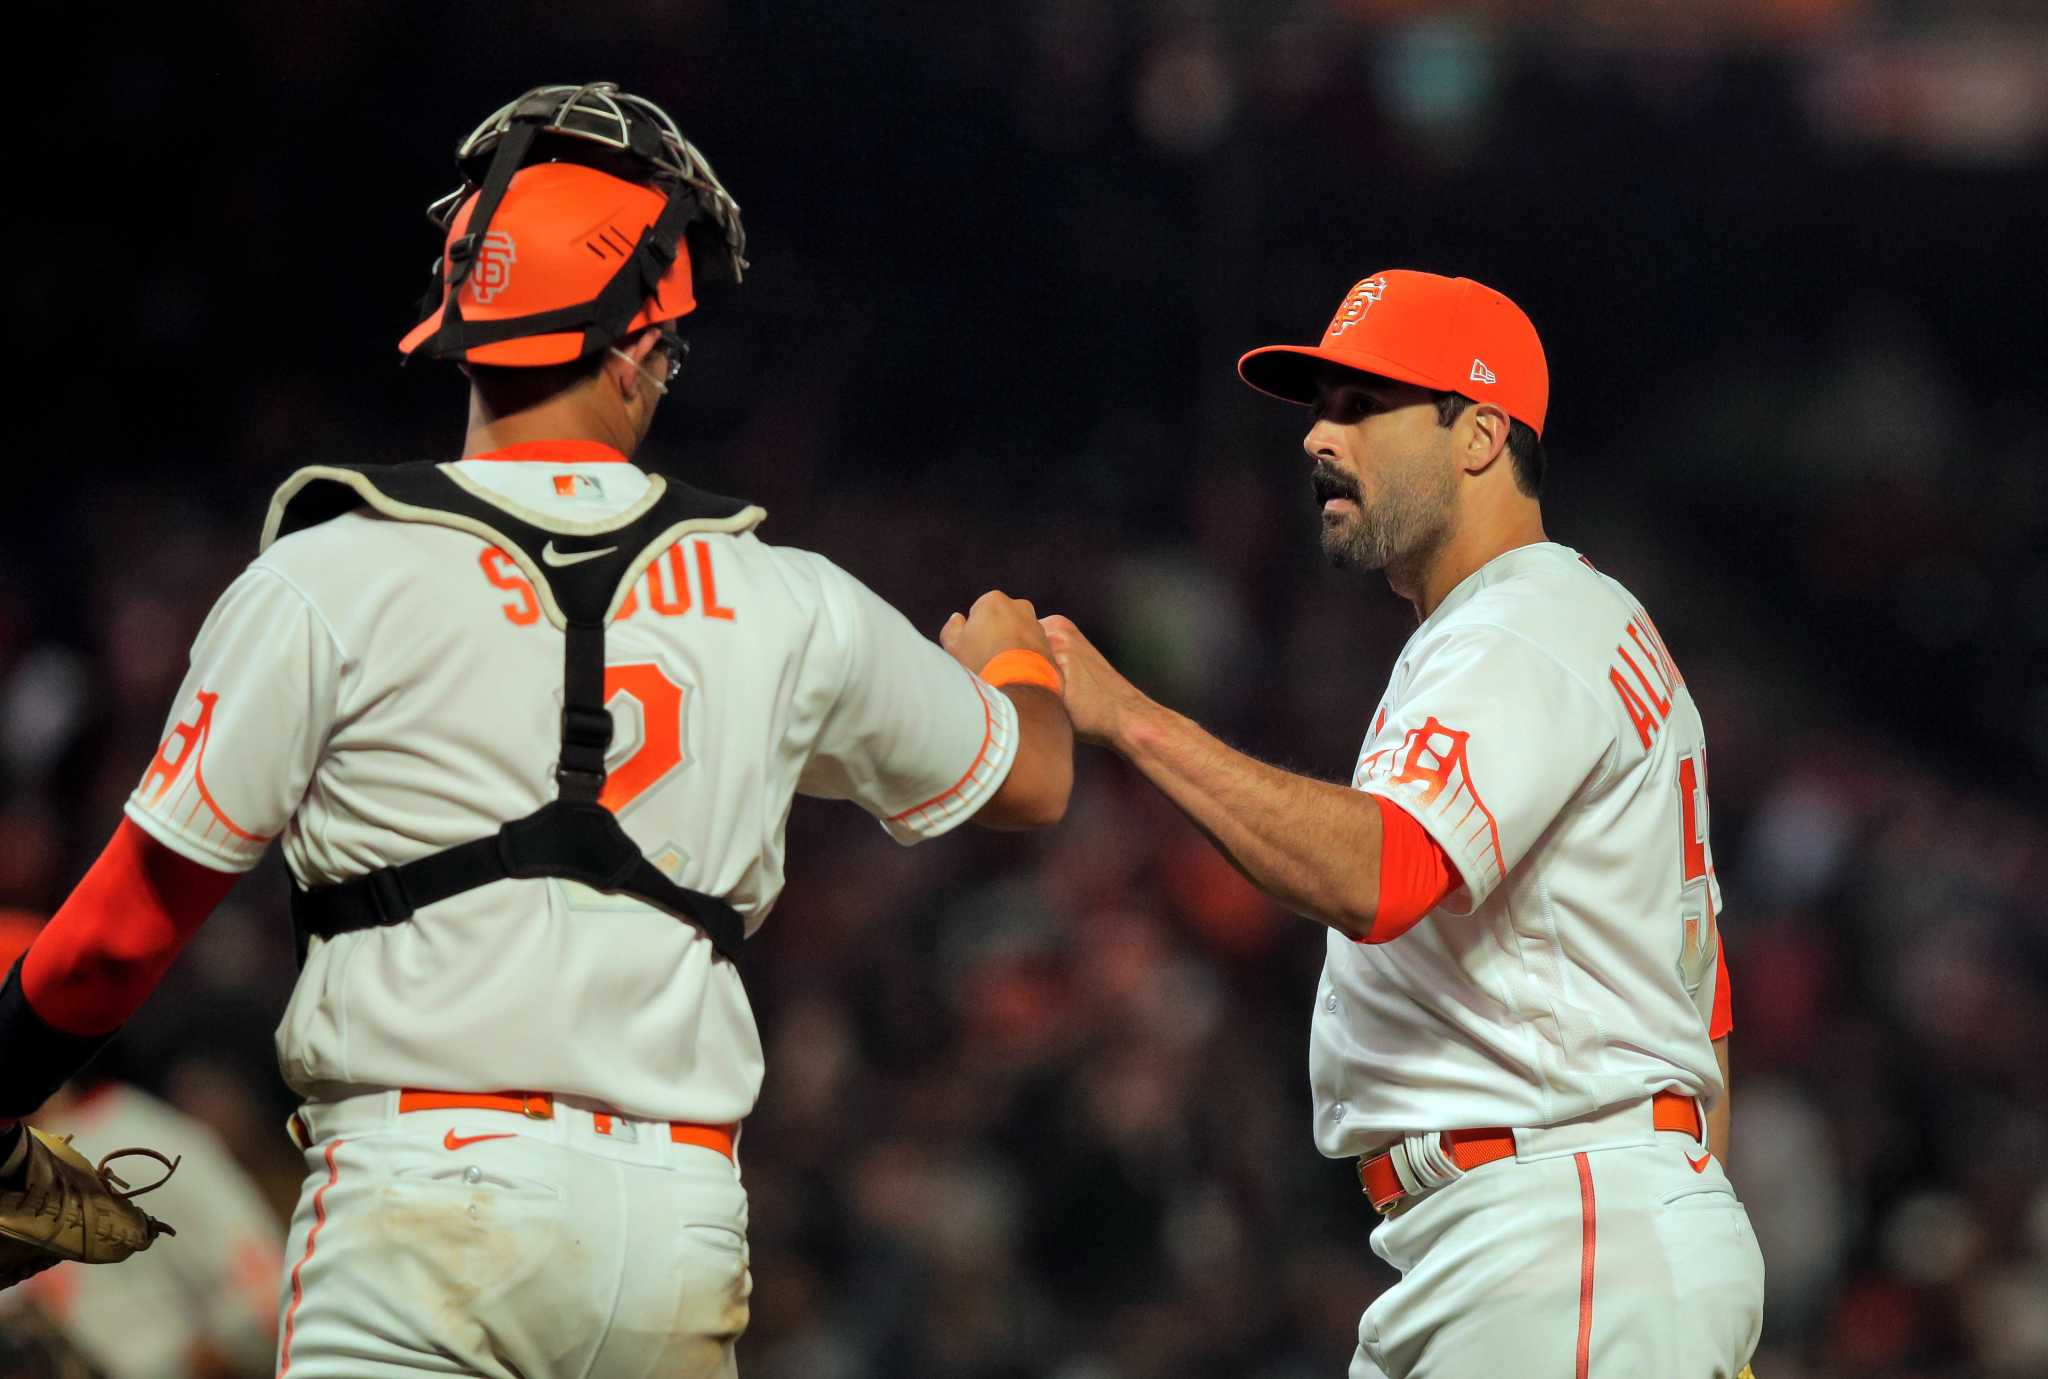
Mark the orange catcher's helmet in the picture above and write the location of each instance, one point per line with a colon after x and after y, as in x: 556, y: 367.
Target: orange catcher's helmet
x: 584, y: 216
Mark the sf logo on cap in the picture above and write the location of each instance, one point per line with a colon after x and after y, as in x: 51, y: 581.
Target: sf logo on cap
x: 493, y: 271
x: 1357, y: 304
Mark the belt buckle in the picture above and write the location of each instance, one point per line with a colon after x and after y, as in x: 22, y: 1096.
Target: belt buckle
x: 1384, y: 1206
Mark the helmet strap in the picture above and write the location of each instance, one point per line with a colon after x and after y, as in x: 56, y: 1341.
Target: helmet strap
x: 639, y: 278
x: 509, y: 156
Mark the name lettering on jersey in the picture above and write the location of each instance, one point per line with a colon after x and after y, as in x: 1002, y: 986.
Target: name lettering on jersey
x: 503, y: 574
x: 1652, y: 681
x: 182, y: 757
x: 667, y: 586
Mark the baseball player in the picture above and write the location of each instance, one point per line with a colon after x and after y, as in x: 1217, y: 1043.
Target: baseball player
x: 1521, y: 1028
x: 204, y: 1308
x: 528, y: 725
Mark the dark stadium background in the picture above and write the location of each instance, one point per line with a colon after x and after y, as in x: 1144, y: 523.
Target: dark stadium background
x: 1038, y: 1108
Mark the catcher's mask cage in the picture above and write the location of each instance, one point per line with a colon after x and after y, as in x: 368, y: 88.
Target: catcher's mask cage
x: 609, y: 131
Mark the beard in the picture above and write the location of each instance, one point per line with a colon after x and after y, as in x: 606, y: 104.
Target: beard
x: 1410, y: 519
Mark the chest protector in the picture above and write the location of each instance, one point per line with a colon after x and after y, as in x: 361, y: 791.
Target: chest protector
x: 581, y: 574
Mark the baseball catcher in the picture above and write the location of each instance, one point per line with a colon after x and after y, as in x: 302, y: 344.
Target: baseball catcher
x: 526, y: 720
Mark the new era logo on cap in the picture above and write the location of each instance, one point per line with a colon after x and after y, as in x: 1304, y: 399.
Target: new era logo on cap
x: 1480, y: 373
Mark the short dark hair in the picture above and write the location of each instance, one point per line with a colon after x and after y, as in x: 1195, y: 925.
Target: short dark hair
x: 1525, y: 448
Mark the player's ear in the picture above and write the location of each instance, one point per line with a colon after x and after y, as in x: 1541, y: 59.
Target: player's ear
x: 623, y: 362
x: 642, y: 345
x: 1482, y: 437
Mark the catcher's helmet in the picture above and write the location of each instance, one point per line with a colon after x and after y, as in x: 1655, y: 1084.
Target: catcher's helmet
x: 582, y: 214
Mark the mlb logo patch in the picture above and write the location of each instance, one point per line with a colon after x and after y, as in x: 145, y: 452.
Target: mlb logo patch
x: 578, y: 486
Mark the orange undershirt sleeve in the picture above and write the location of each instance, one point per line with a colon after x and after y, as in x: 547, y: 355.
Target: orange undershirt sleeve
x: 96, y: 961
x: 1724, y: 1004
x: 1415, y: 874
x: 111, y: 942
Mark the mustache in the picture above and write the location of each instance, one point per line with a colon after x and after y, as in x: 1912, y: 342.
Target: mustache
x: 1329, y: 482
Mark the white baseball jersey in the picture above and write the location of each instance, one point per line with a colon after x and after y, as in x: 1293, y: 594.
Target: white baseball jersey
x: 1537, y: 728
x: 374, y: 691
x: 213, y: 1293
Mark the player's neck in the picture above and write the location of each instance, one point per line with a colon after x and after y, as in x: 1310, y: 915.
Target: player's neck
x: 566, y: 417
x: 1469, y: 547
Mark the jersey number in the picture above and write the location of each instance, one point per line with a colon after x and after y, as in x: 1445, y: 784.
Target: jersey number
x: 660, y: 749
x: 1695, y: 890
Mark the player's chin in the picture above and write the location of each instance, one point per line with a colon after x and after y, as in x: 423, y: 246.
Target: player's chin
x: 1344, y: 545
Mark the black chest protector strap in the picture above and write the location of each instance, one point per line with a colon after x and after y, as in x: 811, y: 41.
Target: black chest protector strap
x: 581, y: 573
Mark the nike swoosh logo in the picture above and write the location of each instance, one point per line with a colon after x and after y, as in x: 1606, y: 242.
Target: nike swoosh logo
x: 1699, y: 1165
x: 454, y: 1141
x: 549, y: 555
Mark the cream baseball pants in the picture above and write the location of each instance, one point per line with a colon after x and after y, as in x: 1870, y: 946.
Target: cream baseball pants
x: 1605, y: 1249
x: 484, y: 1242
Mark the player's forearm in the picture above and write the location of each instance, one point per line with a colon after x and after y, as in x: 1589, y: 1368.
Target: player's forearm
x: 110, y: 943
x: 99, y: 957
x: 1034, y: 794
x: 1312, y: 846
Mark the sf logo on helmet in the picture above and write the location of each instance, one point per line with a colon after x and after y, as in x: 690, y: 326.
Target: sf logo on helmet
x: 1358, y: 304
x: 493, y: 271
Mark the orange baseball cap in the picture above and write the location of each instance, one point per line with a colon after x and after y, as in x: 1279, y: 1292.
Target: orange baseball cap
x: 556, y: 240
x: 1451, y: 335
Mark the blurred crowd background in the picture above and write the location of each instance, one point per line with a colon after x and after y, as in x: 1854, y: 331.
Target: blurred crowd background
x: 1039, y: 1108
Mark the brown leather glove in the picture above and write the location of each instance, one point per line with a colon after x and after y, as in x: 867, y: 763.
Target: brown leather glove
x: 61, y: 1208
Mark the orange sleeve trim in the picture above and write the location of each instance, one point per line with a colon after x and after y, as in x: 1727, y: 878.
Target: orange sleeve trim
x: 1724, y: 1000
x: 1415, y: 873
x: 1020, y: 666
x: 988, y: 737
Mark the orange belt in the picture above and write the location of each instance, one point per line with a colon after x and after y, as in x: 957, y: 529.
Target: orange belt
x: 1471, y: 1148
x: 541, y: 1106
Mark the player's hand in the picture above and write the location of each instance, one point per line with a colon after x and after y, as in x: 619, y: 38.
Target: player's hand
x: 1099, y: 700
x: 997, y: 623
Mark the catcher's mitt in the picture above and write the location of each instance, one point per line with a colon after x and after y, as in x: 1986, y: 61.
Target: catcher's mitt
x: 65, y: 1208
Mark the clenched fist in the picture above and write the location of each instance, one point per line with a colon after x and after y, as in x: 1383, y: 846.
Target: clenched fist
x: 997, y: 623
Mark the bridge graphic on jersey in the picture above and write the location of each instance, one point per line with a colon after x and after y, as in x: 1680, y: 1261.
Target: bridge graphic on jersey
x: 186, y: 746
x: 1432, y: 761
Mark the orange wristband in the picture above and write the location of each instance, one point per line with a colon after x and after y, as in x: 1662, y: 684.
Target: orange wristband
x: 1021, y: 667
